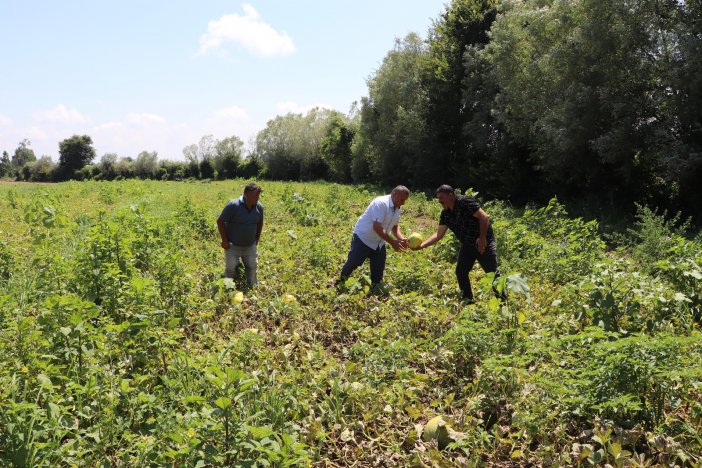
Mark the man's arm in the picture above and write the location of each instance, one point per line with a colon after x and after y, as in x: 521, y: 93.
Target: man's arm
x: 398, y: 234
x: 223, y: 233
x: 259, y: 229
x: 378, y: 228
x: 484, y: 219
x: 434, y: 238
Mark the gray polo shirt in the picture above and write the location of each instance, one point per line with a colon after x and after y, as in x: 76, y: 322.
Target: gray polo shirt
x: 241, y: 223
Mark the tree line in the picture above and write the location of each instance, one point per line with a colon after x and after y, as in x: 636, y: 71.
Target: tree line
x: 587, y: 99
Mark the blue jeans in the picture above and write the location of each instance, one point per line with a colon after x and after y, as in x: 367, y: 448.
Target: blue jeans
x: 248, y: 256
x: 359, y: 253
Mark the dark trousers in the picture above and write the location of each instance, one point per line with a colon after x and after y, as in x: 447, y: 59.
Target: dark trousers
x: 466, y: 259
x: 358, y: 254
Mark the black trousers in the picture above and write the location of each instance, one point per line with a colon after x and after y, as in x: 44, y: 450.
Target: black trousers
x: 466, y: 259
x: 358, y: 254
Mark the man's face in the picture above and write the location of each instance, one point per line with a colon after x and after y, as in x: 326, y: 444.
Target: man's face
x: 446, y: 200
x: 252, y: 197
x: 399, y: 198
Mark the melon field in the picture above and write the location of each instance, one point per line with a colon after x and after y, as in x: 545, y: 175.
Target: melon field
x: 122, y: 345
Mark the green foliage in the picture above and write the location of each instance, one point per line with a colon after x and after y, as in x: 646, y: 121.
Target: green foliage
x: 23, y: 154
x: 75, y: 153
x: 392, y: 116
x: 653, y: 235
x: 290, y: 145
x: 335, y: 148
x: 121, y: 343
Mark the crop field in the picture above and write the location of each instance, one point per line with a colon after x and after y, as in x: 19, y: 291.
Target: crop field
x: 122, y: 345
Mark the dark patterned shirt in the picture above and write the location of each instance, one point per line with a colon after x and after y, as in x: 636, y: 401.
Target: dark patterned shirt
x: 461, y: 221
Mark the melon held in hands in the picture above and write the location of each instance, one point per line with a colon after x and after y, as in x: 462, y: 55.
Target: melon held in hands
x: 414, y: 240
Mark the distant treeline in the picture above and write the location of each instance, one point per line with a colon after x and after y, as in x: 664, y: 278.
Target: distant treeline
x: 586, y: 99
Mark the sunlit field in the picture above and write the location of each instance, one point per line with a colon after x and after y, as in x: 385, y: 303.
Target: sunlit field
x: 122, y: 345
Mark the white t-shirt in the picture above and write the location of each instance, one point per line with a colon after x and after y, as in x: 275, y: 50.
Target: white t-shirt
x: 383, y: 210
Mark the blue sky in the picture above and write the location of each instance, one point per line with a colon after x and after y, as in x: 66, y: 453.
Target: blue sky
x: 158, y: 75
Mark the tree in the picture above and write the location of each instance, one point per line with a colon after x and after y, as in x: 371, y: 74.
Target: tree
x: 196, y: 154
x: 228, y: 156
x: 579, y: 83
x: 207, y: 170
x: 393, y: 124
x: 289, y: 146
x: 146, y: 165
x: 463, y: 25
x: 193, y: 161
x: 75, y: 153
x: 335, y: 148
x: 107, y: 165
x: 5, y: 165
x: 42, y: 170
x: 682, y: 106
x: 124, y: 168
x: 23, y: 154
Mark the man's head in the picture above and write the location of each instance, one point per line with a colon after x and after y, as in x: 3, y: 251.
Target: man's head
x: 446, y: 196
x: 251, y: 193
x: 399, y: 195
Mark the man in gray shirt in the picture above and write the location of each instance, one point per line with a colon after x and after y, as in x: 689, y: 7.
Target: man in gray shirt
x: 240, y: 226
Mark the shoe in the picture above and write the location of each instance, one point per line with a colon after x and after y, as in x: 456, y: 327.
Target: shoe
x: 338, y: 283
x: 467, y: 300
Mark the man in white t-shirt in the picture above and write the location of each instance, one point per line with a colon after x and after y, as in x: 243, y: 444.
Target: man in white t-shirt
x: 372, y: 232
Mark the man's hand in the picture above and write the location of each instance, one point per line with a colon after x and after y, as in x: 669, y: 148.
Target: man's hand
x: 481, y: 244
x: 225, y: 245
x: 403, y: 243
x: 398, y: 245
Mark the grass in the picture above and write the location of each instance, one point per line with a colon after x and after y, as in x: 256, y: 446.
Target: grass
x: 119, y: 344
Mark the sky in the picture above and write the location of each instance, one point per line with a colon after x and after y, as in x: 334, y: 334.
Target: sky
x: 158, y: 75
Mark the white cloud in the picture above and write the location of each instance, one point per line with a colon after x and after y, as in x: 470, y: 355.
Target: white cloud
x: 145, y: 119
x: 109, y: 125
x: 234, y: 113
x: 286, y: 107
x: 5, y: 120
x: 248, y: 31
x: 61, y: 115
x: 230, y: 121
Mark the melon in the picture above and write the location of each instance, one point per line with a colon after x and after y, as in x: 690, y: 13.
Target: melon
x: 437, y: 429
x: 238, y: 298
x: 288, y: 299
x: 414, y: 240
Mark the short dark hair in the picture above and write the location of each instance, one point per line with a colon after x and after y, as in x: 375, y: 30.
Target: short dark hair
x: 252, y: 187
x: 445, y: 189
x: 401, y: 189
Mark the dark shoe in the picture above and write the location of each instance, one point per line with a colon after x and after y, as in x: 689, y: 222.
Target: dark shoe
x: 338, y: 283
x: 468, y: 300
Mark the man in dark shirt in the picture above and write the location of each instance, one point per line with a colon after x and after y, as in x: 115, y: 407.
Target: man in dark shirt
x: 240, y: 226
x: 471, y: 225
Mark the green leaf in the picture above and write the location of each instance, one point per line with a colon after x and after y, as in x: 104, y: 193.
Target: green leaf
x: 124, y: 385
x: 228, y: 283
x: 223, y: 402
x: 260, y: 432
x: 193, y: 399
x: 680, y: 297
x: 518, y: 284
x: 694, y: 273
x: 44, y: 380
